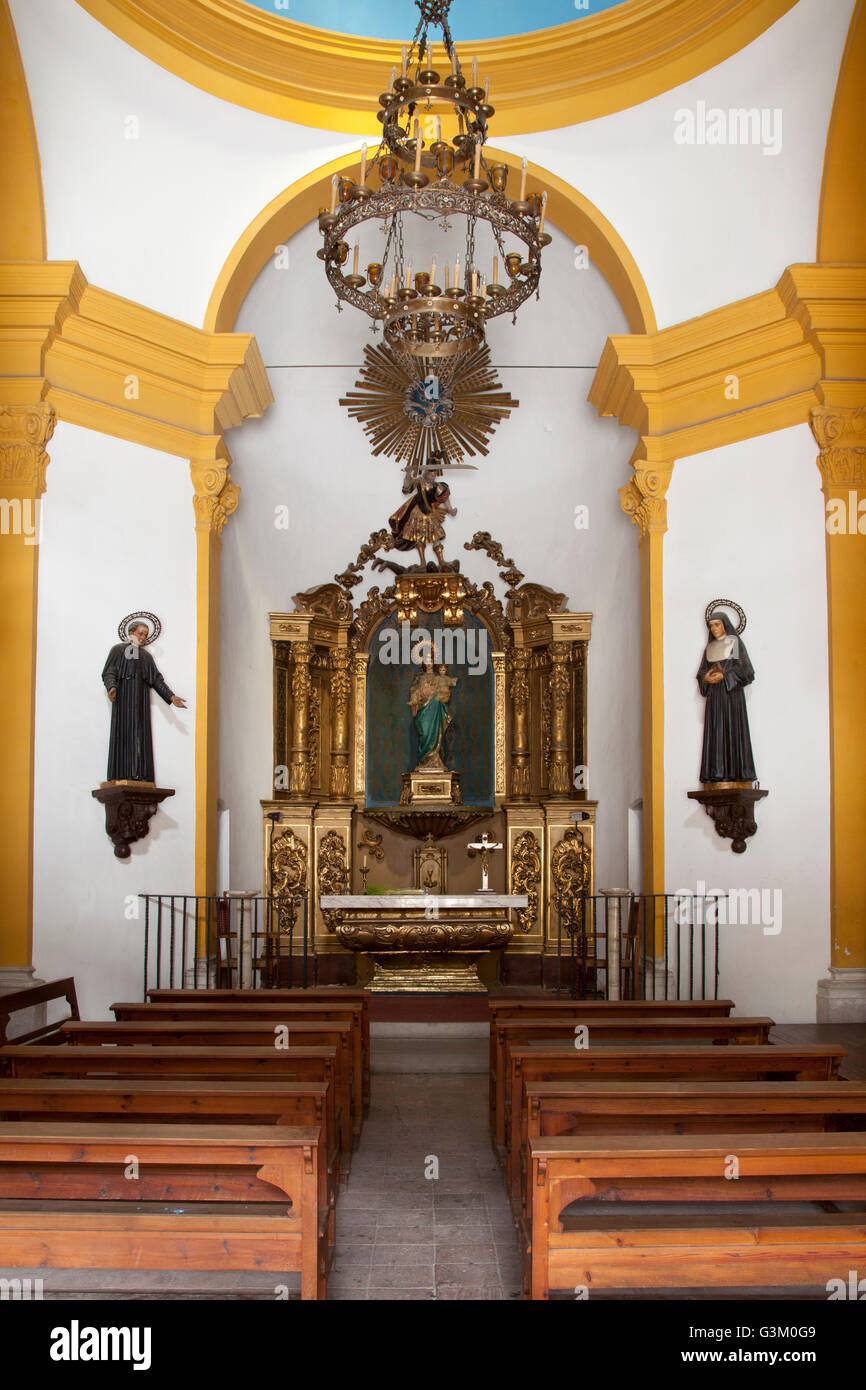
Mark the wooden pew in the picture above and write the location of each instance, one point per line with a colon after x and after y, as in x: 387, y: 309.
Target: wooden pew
x: 575, y: 1108
x: 261, y: 1010
x: 605, y: 1029
x: 81, y: 1166
x: 601, y: 1244
x: 185, y: 1063
x: 33, y: 997
x: 322, y: 993
x: 537, y: 1007
x: 244, y: 1033
x: 623, y: 1062
x: 106, y: 1099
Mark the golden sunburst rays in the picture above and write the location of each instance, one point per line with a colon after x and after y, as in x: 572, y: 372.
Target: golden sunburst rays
x: 412, y: 408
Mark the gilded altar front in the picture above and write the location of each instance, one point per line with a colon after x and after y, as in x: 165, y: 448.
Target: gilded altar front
x: 348, y: 812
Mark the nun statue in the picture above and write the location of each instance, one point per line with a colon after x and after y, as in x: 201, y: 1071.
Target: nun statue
x: 725, y: 669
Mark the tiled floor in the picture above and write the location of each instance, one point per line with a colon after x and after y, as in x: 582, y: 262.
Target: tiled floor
x: 403, y: 1235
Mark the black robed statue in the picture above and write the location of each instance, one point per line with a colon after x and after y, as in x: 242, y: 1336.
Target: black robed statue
x: 725, y: 670
x: 129, y: 675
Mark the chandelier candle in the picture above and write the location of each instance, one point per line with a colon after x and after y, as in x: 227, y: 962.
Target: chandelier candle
x: 523, y: 180
x: 363, y: 166
x: 543, y: 214
x: 405, y: 58
x: 334, y: 182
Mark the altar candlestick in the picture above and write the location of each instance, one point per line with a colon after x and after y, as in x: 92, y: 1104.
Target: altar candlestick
x: 355, y: 261
x: 404, y: 57
x: 523, y: 180
x: 333, y: 194
x: 543, y: 213
x: 363, y: 165
x: 364, y: 862
x: 477, y: 160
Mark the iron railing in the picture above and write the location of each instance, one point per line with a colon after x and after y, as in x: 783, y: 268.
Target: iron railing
x: 637, y: 946
x: 236, y: 941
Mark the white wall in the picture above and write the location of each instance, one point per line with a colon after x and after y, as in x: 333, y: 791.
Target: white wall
x: 552, y: 455
x: 155, y: 218
x: 747, y: 523
x: 709, y: 224
x: 117, y: 536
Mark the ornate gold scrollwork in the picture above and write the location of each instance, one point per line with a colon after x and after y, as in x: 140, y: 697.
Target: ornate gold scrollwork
x: 526, y: 876
x: 332, y: 873
x: 571, y: 871
x: 288, y: 875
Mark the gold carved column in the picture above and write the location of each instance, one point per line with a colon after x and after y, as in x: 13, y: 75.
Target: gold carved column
x: 24, y: 432
x: 299, y: 759
x: 340, y: 689
x: 561, y: 775
x: 841, y: 435
x: 215, y: 497
x: 520, y: 784
x: 360, y: 662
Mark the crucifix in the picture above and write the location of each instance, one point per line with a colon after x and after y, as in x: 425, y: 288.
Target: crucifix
x: 483, y: 846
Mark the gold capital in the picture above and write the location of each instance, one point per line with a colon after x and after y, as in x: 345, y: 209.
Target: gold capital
x: 644, y: 496
x: 841, y: 435
x: 24, y: 432
x: 215, y: 495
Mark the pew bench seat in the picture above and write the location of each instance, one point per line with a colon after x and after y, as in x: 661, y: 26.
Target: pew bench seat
x: 69, y: 1200
x: 588, y: 1229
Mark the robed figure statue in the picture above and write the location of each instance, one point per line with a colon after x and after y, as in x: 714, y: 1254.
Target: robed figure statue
x: 725, y: 669
x: 428, y: 697
x: 129, y: 675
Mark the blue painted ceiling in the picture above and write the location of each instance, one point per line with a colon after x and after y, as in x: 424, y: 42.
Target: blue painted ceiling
x: 469, y: 19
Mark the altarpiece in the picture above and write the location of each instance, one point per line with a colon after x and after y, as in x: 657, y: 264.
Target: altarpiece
x: 345, y: 791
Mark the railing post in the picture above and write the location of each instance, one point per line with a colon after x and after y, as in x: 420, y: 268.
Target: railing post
x: 612, y: 918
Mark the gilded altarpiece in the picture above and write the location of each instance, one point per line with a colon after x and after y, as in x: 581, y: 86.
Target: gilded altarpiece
x: 531, y: 715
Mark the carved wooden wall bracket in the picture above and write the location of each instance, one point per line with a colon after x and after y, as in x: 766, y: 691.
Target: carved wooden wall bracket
x: 732, y: 809
x: 129, y: 809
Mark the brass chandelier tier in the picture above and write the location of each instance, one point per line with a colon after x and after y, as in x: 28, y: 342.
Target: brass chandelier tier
x: 436, y: 179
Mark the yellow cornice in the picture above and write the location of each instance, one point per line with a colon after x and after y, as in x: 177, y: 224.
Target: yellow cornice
x: 115, y: 366
x: 745, y: 369
x: 539, y: 81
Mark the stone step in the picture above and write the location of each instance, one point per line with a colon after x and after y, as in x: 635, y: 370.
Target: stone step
x: 429, y: 1047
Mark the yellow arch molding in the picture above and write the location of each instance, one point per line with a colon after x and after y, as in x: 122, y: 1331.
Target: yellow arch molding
x: 539, y: 81
x: 22, y: 224
x: 842, y: 216
x: 299, y: 204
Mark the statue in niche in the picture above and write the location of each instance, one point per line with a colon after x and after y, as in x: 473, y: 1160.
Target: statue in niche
x: 418, y: 523
x: 725, y: 669
x: 429, y: 695
x: 129, y: 675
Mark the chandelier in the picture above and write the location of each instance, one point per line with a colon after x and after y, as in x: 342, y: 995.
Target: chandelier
x: 431, y: 165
